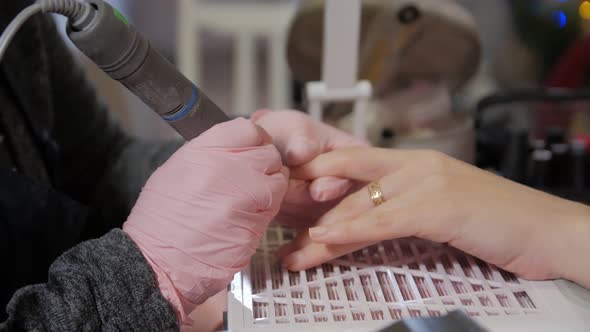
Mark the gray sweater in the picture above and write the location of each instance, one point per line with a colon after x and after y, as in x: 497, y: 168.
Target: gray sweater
x: 76, y: 177
x: 100, y: 285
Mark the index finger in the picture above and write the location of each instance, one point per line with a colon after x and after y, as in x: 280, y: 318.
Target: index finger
x: 358, y: 163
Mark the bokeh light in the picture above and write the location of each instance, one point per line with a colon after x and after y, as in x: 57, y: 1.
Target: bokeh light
x: 559, y: 19
x: 585, y: 10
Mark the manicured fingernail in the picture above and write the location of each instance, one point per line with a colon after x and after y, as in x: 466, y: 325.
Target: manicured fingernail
x: 329, y: 188
x: 318, y: 232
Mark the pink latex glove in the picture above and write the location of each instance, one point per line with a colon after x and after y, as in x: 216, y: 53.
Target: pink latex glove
x: 201, y: 216
x: 300, y: 139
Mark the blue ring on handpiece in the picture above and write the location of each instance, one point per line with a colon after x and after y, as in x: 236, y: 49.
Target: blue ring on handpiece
x: 186, y: 110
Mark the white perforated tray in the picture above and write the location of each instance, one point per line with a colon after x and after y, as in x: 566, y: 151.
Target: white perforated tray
x: 400, y: 279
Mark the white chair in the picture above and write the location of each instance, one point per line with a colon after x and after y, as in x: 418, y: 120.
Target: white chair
x: 244, y: 21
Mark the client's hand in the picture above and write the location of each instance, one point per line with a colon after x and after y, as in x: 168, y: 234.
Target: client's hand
x: 300, y: 139
x: 201, y: 215
x: 431, y: 196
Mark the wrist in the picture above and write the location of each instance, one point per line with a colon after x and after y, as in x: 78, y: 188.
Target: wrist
x: 169, y: 292
x: 573, y: 244
x: 165, y: 284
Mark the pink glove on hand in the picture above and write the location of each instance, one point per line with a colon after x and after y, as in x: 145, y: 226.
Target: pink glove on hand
x: 201, y: 216
x: 300, y: 139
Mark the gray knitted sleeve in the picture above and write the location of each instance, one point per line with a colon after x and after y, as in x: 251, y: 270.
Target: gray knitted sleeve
x: 99, y: 285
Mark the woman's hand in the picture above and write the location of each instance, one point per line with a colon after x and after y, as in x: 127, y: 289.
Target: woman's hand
x: 432, y: 196
x: 201, y: 216
x: 300, y: 139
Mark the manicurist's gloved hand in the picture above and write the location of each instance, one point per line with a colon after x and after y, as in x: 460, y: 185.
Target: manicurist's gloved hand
x: 201, y: 216
x: 300, y: 139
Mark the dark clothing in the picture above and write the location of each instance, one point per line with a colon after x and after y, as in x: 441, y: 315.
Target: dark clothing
x: 68, y: 174
x: 100, y: 285
x: 37, y: 225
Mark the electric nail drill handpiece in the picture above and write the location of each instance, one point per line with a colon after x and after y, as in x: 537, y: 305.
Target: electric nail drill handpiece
x: 106, y: 37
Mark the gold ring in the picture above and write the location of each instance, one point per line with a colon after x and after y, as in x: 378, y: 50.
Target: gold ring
x: 376, y: 193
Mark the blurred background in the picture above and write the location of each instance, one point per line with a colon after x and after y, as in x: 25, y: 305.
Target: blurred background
x: 502, y: 84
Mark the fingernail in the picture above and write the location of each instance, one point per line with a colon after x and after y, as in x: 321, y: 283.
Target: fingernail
x: 329, y: 188
x: 318, y: 232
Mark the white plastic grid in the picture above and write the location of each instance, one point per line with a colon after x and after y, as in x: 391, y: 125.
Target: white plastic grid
x: 395, y: 280
x: 406, y: 278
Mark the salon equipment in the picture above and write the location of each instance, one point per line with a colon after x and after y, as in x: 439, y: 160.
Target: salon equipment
x: 104, y: 35
x: 551, y: 155
x: 540, y: 169
x: 396, y: 280
x: 579, y: 177
x: 515, y: 160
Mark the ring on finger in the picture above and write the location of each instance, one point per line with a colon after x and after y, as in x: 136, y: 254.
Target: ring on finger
x: 376, y: 193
